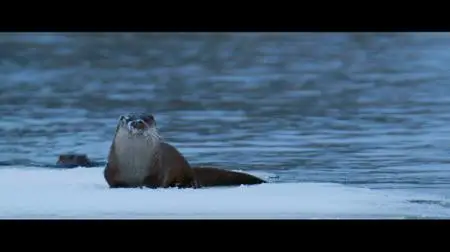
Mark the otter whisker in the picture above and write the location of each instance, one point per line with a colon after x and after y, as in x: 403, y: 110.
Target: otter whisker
x: 155, y: 134
x: 129, y: 126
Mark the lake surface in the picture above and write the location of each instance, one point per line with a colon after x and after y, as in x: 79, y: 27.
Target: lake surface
x: 358, y: 109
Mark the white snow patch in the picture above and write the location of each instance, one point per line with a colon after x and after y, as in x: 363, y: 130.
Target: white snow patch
x: 83, y: 193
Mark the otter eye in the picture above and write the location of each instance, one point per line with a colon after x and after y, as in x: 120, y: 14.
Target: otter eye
x: 149, y: 118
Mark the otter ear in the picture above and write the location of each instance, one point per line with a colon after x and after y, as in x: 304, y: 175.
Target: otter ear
x: 121, y: 119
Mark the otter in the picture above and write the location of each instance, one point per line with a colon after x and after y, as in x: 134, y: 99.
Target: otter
x: 139, y: 157
x: 74, y: 160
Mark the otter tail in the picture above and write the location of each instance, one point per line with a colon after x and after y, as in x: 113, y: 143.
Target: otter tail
x: 209, y: 176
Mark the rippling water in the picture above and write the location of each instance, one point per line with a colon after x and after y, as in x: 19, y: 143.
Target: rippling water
x: 369, y: 110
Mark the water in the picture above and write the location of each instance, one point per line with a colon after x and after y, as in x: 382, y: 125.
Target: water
x: 365, y: 113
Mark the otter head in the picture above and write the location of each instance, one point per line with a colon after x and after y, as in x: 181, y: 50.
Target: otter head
x: 73, y: 160
x: 138, y: 125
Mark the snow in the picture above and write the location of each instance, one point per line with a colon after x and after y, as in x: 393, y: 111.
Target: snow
x: 82, y: 193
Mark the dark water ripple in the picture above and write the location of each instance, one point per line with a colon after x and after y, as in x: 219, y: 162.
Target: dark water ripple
x: 356, y: 108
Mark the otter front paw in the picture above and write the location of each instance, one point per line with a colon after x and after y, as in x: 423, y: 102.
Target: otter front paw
x: 117, y: 184
x: 151, y: 181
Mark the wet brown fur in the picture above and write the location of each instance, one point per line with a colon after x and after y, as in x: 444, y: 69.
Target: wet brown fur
x: 169, y: 169
x: 211, y: 176
x: 182, y: 175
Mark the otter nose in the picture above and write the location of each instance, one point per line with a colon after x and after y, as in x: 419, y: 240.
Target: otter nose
x: 139, y: 124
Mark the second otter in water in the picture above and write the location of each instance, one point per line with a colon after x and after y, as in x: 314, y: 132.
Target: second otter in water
x: 138, y: 157
x: 72, y: 160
